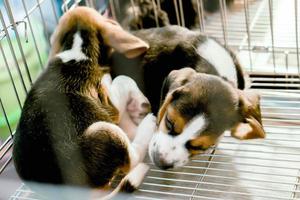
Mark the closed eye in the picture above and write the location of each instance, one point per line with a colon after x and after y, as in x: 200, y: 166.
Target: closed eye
x: 169, y: 124
x: 189, y: 146
x: 170, y: 127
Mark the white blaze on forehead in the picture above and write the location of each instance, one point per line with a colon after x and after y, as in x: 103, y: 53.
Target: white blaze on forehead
x: 191, y: 129
x: 220, y: 58
x: 172, y: 148
x: 75, y: 52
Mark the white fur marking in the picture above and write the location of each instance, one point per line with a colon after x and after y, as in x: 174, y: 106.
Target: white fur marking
x: 75, y: 52
x: 120, y: 90
x: 172, y: 148
x: 106, y: 81
x: 144, y: 135
x: 137, y: 175
x: 216, y: 55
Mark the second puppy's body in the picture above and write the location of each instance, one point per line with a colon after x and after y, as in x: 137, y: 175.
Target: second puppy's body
x: 175, y: 47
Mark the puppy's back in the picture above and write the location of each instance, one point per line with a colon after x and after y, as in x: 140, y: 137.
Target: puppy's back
x: 57, y: 111
x: 171, y: 48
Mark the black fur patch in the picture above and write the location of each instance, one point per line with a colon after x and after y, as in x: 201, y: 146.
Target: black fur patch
x: 128, y: 187
x: 189, y: 13
x: 103, y: 155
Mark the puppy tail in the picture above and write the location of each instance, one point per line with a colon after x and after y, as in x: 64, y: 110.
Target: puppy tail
x: 130, y: 182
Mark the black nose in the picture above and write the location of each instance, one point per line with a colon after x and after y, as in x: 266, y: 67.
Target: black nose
x: 165, y: 167
x: 160, y: 162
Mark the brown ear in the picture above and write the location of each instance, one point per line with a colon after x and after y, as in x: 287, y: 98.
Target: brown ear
x: 172, y: 95
x: 251, y: 127
x: 122, y: 41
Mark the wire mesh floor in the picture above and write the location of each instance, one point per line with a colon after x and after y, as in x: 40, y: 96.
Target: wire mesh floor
x: 263, y: 48
x: 254, y: 169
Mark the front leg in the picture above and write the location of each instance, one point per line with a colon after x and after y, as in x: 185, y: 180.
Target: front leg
x: 138, y: 150
x: 135, y: 169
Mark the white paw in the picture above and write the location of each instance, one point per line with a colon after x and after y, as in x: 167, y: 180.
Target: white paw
x: 146, y: 129
x: 135, y: 177
x: 148, y: 124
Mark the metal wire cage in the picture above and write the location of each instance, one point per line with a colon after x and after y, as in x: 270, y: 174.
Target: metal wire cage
x: 264, y: 35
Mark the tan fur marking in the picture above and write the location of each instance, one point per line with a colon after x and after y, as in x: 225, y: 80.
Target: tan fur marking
x: 251, y: 130
x: 164, y: 107
x: 204, y: 141
x: 176, y: 119
x: 252, y: 127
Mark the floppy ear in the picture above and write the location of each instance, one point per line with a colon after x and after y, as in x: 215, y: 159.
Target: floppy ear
x: 164, y: 90
x: 116, y: 37
x: 251, y: 127
x: 171, y: 96
x: 112, y: 33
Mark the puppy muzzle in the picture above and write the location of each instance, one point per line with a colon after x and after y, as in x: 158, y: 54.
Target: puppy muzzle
x: 160, y: 162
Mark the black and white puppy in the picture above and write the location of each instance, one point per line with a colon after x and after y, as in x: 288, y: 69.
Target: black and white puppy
x: 202, y: 93
x: 68, y: 132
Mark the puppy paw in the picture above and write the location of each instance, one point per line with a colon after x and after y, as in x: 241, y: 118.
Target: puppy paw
x: 128, y: 187
x: 146, y: 129
x: 135, y: 178
x: 138, y: 107
x: 148, y: 124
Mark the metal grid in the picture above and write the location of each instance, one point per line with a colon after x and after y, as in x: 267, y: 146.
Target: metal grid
x: 19, y: 29
x: 264, y: 35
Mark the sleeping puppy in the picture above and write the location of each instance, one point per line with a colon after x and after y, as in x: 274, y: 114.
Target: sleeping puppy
x: 68, y: 132
x: 196, y: 104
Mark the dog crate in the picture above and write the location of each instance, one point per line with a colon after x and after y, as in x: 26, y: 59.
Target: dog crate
x: 265, y: 36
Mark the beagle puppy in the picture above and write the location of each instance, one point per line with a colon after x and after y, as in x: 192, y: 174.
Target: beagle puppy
x: 202, y: 93
x: 68, y: 132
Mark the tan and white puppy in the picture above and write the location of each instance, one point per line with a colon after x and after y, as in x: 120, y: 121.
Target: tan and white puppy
x: 69, y: 127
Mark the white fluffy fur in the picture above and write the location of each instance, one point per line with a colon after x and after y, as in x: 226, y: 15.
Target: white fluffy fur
x: 216, y: 55
x: 75, y: 52
x: 172, y: 148
x: 122, y: 90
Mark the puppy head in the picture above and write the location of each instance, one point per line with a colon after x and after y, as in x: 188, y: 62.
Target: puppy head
x: 197, y: 108
x: 99, y: 28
